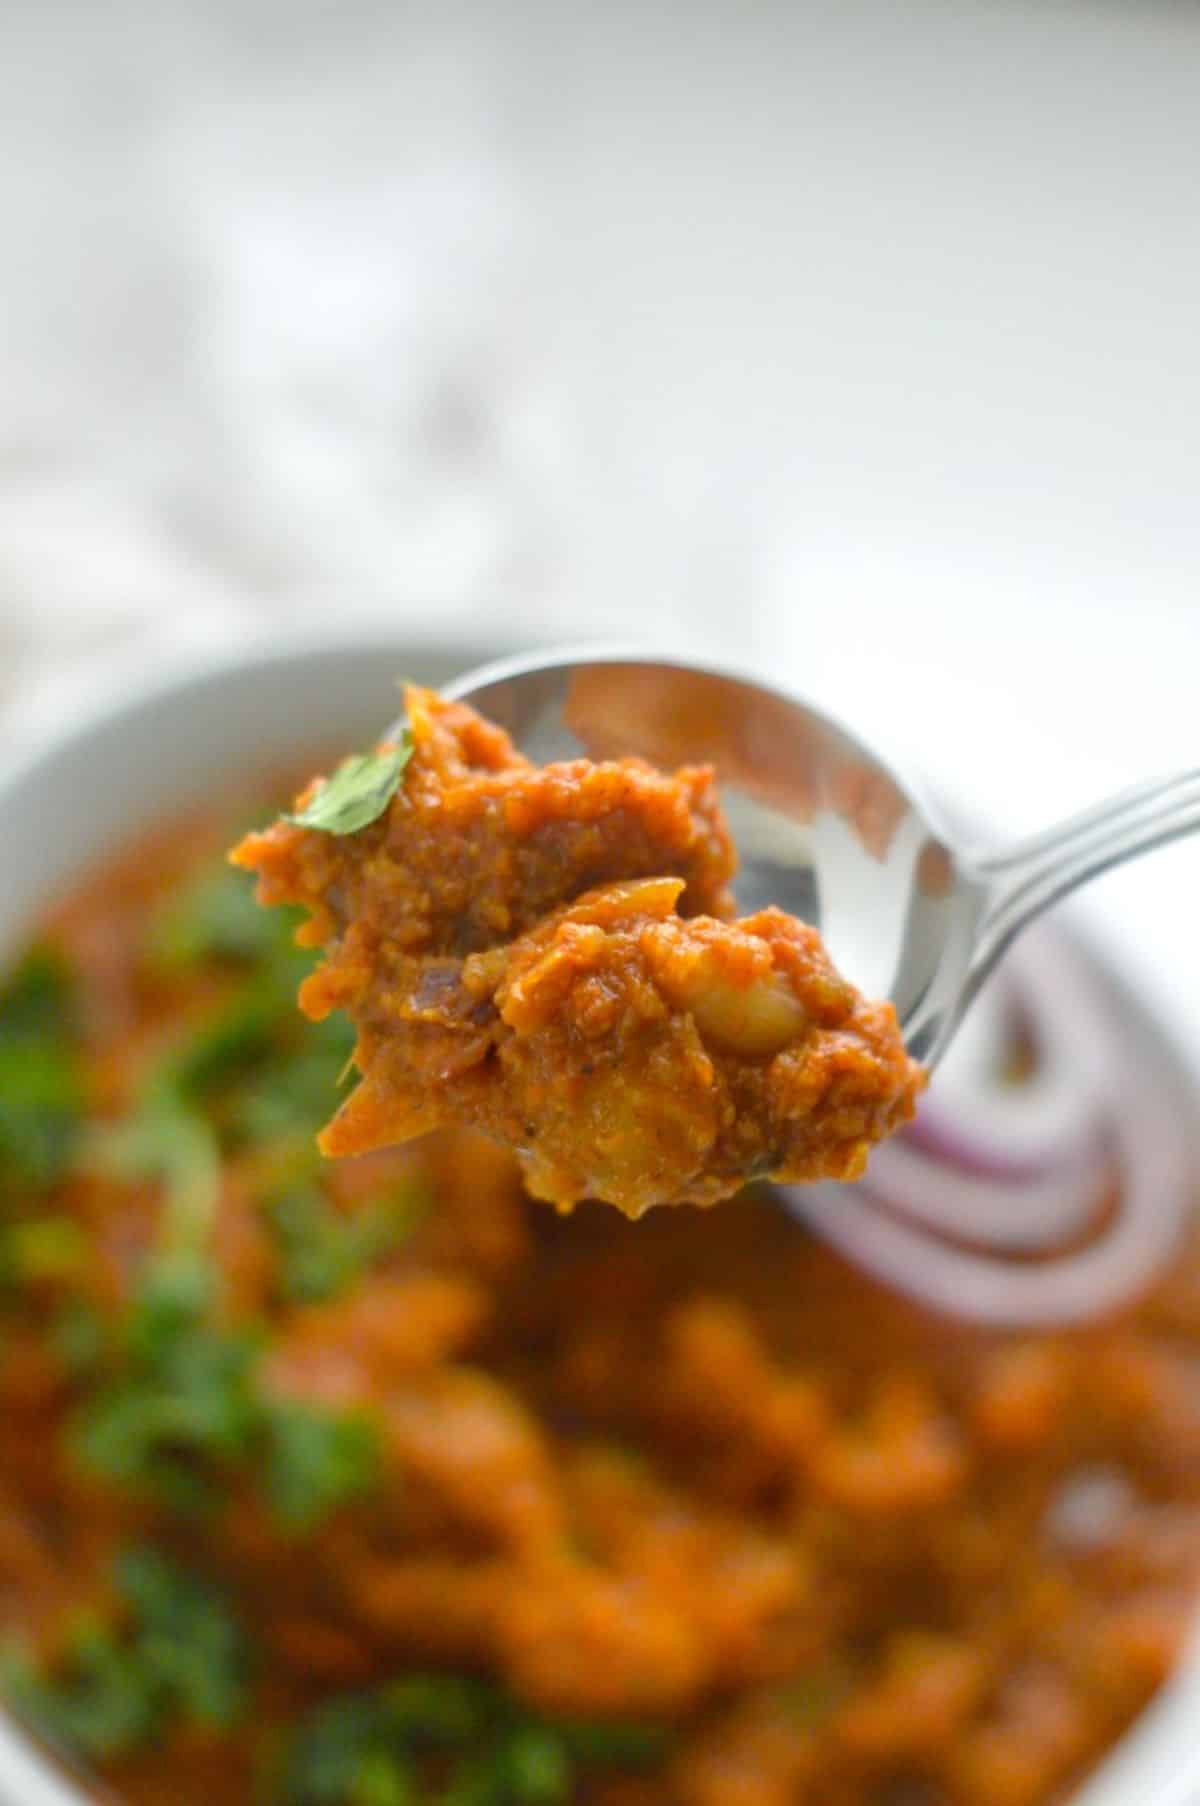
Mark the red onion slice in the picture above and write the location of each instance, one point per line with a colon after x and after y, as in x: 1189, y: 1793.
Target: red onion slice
x: 975, y: 1119
x: 930, y: 1218
x: 1047, y: 1207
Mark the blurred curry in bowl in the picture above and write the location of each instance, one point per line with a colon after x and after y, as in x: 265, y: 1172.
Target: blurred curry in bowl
x: 370, y: 1482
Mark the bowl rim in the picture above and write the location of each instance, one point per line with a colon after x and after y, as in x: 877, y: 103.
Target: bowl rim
x: 1156, y: 1760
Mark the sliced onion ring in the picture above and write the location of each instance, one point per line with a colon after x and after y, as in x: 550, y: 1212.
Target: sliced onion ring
x: 944, y: 1211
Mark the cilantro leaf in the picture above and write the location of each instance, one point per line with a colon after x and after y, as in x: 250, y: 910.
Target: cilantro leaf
x: 489, y: 1749
x: 440, y: 1709
x: 181, y: 1655
x: 186, y: 1636
x: 613, y: 1744
x: 180, y: 1405
x: 231, y: 1043
x: 97, y: 1705
x: 358, y: 792
x: 477, y: 1781
x: 255, y: 1068
x: 79, y: 1337
x: 321, y: 1251
x: 164, y: 1140
x: 216, y: 917
x: 384, y: 1779
x: 41, y: 1097
x: 170, y: 1437
x: 293, y: 1093
x: 537, y: 1767
x: 343, y: 1749
x: 316, y: 1461
x: 36, y: 1002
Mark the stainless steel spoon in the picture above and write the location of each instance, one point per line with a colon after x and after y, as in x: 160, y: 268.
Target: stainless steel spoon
x: 825, y: 828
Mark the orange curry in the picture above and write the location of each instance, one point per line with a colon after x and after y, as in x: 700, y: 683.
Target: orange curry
x: 546, y: 954
x: 369, y: 1483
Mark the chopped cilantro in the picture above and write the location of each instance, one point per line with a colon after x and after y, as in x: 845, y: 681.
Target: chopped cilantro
x: 615, y: 1745
x: 40, y: 1091
x: 384, y: 1780
x: 181, y: 1655
x: 186, y: 1637
x: 342, y: 1743
x: 294, y: 1092
x: 321, y: 1251
x: 476, y: 1781
x: 235, y: 1041
x: 443, y: 1709
x: 169, y: 1428
x: 78, y: 1336
x: 316, y: 1460
x: 97, y: 1705
x: 358, y: 792
x: 36, y: 1002
x: 216, y: 918
x: 180, y: 1407
x: 536, y: 1766
x: 174, y: 1293
x: 486, y: 1748
x: 252, y: 1068
x: 255, y: 1068
x: 166, y: 1141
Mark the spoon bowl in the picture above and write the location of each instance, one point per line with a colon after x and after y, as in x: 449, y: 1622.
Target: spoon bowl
x: 825, y: 829
x: 828, y: 830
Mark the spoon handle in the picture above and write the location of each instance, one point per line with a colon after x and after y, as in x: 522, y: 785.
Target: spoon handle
x: 1027, y: 878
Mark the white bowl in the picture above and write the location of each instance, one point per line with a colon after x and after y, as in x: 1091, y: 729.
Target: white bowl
x: 170, y: 737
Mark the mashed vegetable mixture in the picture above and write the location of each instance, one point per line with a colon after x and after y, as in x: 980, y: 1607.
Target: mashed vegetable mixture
x: 370, y: 1483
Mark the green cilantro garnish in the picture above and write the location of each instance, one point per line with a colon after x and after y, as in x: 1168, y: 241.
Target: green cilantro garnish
x: 40, y: 1091
x: 230, y: 1045
x: 613, y: 1744
x: 216, y: 917
x: 166, y: 1141
x: 180, y: 1655
x: 537, y: 1765
x: 254, y: 1067
x: 321, y: 1250
x: 343, y: 1753
x: 186, y: 1636
x: 180, y: 1408
x: 171, y: 1403
x: 358, y: 792
x: 79, y: 1337
x: 36, y: 1001
x: 96, y: 1705
x: 448, y: 1739
x: 316, y: 1460
x: 289, y: 1095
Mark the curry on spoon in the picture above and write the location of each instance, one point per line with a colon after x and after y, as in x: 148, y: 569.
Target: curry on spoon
x: 540, y: 941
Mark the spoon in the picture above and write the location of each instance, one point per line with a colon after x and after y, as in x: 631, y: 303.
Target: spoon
x: 829, y: 832
x: 824, y: 827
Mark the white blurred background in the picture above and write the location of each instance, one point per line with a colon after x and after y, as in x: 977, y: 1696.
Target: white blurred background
x: 857, y: 341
